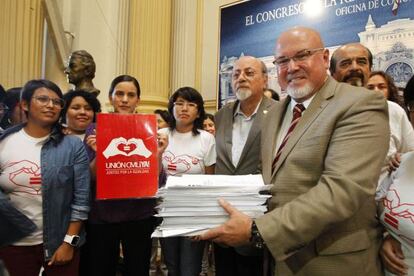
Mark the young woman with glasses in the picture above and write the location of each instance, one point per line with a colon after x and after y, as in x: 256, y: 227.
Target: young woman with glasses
x: 191, y: 150
x: 46, y: 176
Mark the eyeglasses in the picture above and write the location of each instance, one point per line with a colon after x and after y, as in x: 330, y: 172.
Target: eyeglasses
x: 45, y: 100
x: 410, y: 106
x: 301, y: 56
x: 249, y: 73
x: 181, y: 104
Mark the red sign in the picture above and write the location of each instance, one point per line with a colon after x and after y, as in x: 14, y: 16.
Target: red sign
x: 127, y: 165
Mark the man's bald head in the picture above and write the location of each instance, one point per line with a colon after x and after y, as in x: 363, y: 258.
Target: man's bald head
x: 249, y: 78
x: 300, y: 34
x: 301, y: 61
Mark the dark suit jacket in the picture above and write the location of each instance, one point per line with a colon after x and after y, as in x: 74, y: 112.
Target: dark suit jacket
x: 249, y: 162
x: 323, y: 210
x: 14, y: 225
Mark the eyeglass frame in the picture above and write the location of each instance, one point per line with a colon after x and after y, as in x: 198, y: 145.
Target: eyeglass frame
x: 308, y: 53
x: 181, y: 104
x: 249, y: 73
x: 56, y: 102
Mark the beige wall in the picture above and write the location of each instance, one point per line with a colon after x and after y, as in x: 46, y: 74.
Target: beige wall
x: 99, y: 27
x: 21, y: 27
x: 210, y: 50
x: 195, y: 46
x: 166, y: 44
x: 149, y: 51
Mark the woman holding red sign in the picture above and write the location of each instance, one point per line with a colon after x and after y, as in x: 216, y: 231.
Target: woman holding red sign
x: 191, y: 150
x: 129, y: 222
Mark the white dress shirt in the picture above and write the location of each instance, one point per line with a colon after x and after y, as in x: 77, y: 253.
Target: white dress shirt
x: 287, y: 119
x: 241, y: 129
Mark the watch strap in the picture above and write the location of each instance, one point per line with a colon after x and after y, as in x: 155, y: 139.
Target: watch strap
x: 73, y: 240
x: 256, y: 237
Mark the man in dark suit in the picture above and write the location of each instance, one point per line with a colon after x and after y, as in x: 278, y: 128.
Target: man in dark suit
x: 324, y: 160
x: 238, y: 127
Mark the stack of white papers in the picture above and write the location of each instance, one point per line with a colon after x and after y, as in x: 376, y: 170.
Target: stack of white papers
x: 190, y: 202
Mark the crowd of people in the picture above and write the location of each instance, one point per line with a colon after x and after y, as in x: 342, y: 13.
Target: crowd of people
x: 338, y: 152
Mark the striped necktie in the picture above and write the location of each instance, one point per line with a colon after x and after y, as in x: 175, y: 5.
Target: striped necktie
x: 297, y: 114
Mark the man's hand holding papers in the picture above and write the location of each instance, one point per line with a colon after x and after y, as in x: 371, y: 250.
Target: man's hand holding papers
x: 190, y: 205
x: 234, y: 232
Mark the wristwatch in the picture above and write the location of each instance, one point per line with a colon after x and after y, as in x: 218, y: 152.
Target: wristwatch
x: 255, y: 237
x: 72, y: 240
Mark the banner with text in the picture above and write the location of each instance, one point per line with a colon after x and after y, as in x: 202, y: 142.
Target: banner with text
x: 386, y: 27
x: 127, y: 165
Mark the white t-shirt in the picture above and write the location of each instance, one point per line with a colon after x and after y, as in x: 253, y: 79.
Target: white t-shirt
x: 21, y: 179
x: 401, y: 135
x: 187, y: 153
x: 398, y: 214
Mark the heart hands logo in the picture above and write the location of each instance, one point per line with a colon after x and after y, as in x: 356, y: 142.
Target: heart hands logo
x: 122, y: 146
x: 26, y: 176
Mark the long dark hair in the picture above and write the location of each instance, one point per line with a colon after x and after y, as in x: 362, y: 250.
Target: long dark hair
x: 409, y: 91
x: 392, y: 89
x: 11, y: 100
x: 193, y: 96
x: 164, y: 114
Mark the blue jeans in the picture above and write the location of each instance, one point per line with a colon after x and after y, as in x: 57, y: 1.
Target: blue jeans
x: 182, y: 256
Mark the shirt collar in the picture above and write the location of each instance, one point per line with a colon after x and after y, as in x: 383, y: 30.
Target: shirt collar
x: 239, y: 112
x: 305, y: 103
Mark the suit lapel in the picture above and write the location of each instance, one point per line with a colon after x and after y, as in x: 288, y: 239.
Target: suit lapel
x: 228, y: 134
x: 318, y: 103
x: 256, y: 126
x: 268, y: 142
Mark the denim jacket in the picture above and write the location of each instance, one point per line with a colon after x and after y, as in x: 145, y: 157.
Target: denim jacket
x: 65, y: 186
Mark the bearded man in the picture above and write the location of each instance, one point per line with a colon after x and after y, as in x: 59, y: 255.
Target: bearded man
x: 322, y: 149
x: 238, y: 128
x: 351, y: 63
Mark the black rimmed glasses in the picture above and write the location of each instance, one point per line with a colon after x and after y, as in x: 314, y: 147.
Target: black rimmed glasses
x: 301, y: 56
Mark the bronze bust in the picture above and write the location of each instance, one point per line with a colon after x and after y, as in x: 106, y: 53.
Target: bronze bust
x: 80, y: 71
